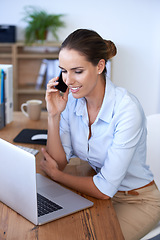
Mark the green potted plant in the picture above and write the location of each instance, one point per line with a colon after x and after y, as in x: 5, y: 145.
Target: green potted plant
x: 39, y: 23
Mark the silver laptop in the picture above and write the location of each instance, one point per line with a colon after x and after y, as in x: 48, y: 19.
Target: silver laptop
x: 25, y: 191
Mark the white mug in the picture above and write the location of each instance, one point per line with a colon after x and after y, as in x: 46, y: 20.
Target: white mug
x: 33, y: 108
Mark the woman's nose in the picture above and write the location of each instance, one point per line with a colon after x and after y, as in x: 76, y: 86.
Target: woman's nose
x: 68, y: 80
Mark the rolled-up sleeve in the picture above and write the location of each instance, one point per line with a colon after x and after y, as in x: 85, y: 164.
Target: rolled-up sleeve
x: 125, y: 147
x: 65, y: 134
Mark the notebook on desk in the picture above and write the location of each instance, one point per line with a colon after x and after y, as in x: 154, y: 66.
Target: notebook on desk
x: 22, y: 189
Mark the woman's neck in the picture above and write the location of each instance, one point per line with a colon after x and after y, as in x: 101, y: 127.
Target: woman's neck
x: 95, y: 101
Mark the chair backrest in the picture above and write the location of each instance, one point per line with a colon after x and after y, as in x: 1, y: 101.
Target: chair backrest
x: 153, y: 146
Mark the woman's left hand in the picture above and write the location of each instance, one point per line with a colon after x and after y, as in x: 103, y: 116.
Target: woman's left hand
x: 48, y: 164
x: 79, y: 183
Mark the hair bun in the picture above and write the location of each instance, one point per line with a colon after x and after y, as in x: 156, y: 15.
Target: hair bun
x: 111, y: 49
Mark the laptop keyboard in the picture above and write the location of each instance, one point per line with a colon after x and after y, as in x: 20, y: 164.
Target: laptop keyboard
x: 28, y: 149
x: 46, y: 206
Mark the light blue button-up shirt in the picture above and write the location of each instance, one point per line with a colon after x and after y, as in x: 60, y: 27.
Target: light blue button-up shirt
x: 117, y: 147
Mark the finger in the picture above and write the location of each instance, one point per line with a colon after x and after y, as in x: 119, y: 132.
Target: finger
x: 52, y: 85
x: 45, y: 154
x: 53, y: 80
x: 51, y: 90
x: 65, y: 95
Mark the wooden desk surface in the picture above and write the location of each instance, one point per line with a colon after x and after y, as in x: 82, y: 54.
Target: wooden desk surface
x: 96, y: 223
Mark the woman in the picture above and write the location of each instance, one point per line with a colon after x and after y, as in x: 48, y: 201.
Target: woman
x: 104, y: 125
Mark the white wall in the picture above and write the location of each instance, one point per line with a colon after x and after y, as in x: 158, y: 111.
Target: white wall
x: 133, y: 25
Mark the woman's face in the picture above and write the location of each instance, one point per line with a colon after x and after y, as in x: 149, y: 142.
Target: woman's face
x: 80, y: 75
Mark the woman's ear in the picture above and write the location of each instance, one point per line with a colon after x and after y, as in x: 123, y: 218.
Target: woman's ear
x: 101, y: 65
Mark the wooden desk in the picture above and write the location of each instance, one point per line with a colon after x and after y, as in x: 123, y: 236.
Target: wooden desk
x: 96, y: 223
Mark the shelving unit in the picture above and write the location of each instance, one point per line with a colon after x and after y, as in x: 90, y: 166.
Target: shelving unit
x: 26, y: 61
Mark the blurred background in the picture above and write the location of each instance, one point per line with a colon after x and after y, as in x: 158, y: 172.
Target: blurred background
x: 133, y: 25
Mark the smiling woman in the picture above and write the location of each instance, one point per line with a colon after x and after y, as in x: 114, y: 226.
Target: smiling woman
x: 80, y: 75
x: 105, y: 125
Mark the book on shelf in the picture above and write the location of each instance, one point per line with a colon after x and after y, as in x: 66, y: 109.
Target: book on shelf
x: 49, y: 69
x: 53, y: 70
x: 2, y: 110
x: 41, y: 74
x: 6, y: 94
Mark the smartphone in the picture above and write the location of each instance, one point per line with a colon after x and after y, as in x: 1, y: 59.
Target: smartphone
x: 61, y: 86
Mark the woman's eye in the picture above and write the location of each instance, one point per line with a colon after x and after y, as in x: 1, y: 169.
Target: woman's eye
x: 78, y: 72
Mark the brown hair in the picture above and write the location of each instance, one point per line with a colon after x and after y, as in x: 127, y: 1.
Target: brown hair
x: 91, y: 45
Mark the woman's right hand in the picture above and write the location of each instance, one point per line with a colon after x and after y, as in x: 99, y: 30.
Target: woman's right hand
x: 56, y: 102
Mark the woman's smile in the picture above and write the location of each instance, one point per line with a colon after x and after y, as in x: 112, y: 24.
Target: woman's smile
x: 74, y: 89
x: 80, y: 75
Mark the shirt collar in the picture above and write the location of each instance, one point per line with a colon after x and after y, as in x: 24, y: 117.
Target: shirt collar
x: 81, y: 108
x: 106, y: 111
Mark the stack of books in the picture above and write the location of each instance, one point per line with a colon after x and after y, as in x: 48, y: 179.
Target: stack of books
x: 48, y: 69
x: 6, y: 94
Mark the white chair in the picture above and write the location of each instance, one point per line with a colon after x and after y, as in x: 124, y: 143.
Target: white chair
x: 153, y: 158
